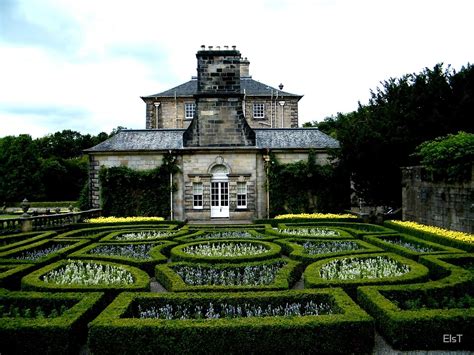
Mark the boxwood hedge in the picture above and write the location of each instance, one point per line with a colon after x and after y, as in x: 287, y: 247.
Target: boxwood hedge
x: 59, y: 333
x: 11, y: 274
x: 355, y: 229
x: 8, y: 242
x: 285, y: 278
x: 340, y: 234
x: 348, y: 331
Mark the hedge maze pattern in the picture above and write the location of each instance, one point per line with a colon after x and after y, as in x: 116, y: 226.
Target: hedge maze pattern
x: 164, y: 287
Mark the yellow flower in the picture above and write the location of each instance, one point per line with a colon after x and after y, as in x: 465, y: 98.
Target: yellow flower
x: 315, y: 216
x: 123, y: 219
x: 461, y: 236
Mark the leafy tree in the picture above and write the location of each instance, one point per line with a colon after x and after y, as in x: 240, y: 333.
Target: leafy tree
x: 448, y: 158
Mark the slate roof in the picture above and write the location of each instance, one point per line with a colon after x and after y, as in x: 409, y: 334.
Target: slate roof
x: 247, y: 85
x: 164, y: 139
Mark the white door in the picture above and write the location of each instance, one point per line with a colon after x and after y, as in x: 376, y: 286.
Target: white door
x: 219, y: 199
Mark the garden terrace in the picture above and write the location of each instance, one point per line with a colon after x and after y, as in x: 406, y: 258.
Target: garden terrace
x: 346, y: 329
x: 256, y: 290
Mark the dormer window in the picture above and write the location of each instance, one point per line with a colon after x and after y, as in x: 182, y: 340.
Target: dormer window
x: 258, y: 111
x: 189, y: 110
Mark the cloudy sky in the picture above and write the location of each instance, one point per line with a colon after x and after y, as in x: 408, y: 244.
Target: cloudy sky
x: 83, y: 65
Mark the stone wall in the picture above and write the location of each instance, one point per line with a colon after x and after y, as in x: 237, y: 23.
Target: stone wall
x: 444, y: 205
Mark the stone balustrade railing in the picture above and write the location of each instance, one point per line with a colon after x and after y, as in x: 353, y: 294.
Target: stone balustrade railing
x: 35, y: 223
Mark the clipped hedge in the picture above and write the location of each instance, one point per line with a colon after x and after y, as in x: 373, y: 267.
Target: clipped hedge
x: 285, y: 278
x: 312, y: 278
x: 157, y: 254
x: 356, y: 229
x: 195, y: 235
x: 167, y: 234
x: 340, y: 234
x: 348, y: 331
x: 383, y: 241
x: 425, y: 327
x: 96, y: 232
x: 10, y: 257
x: 273, y: 251
x: 33, y: 281
x: 13, y: 241
x: 297, y: 252
x: 11, y: 274
x: 433, y: 237
x: 62, y: 334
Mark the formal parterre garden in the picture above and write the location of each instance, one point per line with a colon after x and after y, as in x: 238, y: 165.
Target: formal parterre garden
x: 295, y: 284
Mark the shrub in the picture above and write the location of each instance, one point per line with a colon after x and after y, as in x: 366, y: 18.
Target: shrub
x: 13, y: 241
x: 316, y: 232
x: 275, y: 274
x: 46, y: 323
x: 349, y: 330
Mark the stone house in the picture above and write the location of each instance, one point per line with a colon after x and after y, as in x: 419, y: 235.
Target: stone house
x: 220, y: 127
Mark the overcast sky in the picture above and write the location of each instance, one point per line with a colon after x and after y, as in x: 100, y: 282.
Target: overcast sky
x: 83, y: 65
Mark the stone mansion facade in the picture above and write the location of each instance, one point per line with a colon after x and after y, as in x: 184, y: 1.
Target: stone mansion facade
x: 220, y: 126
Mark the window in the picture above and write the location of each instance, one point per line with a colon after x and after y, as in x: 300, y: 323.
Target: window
x: 197, y: 195
x: 241, y: 195
x: 189, y: 110
x: 258, y: 110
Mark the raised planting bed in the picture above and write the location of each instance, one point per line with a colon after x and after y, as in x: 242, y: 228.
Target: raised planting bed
x: 41, y: 252
x: 310, y: 250
x: 409, y: 246
x: 305, y: 322
x: 450, y: 270
x: 308, y: 232
x: 144, y: 255
x: 87, y: 275
x: 349, y: 272
x: 8, y: 242
x: 140, y: 235
x: 231, y: 251
x: 95, y: 232
x: 220, y: 234
x: 423, y: 316
x: 45, y: 323
x: 355, y: 229
x: 464, y: 241
x: 275, y: 274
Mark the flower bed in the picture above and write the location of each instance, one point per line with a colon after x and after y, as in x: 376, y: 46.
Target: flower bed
x: 144, y: 255
x: 233, y: 250
x: 8, y: 242
x: 45, y: 323
x: 113, y: 219
x: 134, y: 235
x: 197, y: 235
x: 86, y: 275
x: 456, y: 239
x: 349, y: 272
x: 276, y: 274
x: 346, y: 330
x: 41, y: 252
x: 355, y: 229
x: 408, y: 246
x: 323, y: 216
x: 309, y: 250
x: 309, y: 232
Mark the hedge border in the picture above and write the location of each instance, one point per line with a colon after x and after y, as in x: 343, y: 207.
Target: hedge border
x: 436, y: 238
x: 286, y: 277
x: 30, y: 237
x: 349, y: 332
x: 417, y: 273
x: 177, y: 253
x: 32, y: 282
x: 343, y: 234
x: 193, y: 233
x: 11, y: 277
x: 356, y: 229
x: 274, y: 222
x: 379, y: 241
x: 91, y: 233
x: 6, y: 257
x: 60, y: 335
x: 157, y: 254
x: 296, y: 251
x: 108, y: 238
x: 424, y: 328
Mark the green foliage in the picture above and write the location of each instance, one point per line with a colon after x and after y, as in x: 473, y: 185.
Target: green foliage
x: 378, y: 138
x: 46, y: 323
x: 127, y: 192
x: 50, y: 168
x: 347, y: 331
x: 448, y: 158
x: 307, y: 187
